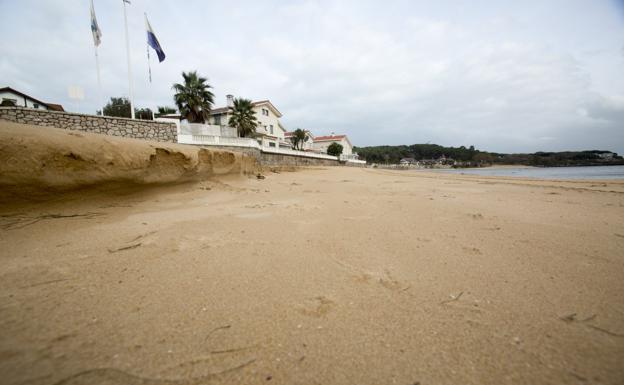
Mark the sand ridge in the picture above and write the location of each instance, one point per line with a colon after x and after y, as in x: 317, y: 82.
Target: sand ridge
x: 45, y: 160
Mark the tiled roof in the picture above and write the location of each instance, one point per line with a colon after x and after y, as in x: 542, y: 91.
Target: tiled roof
x: 55, y: 107
x: 328, y: 138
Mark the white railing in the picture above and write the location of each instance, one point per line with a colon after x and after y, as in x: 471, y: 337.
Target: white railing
x: 306, y: 154
x: 213, y: 140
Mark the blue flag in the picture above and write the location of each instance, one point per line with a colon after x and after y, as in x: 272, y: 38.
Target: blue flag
x: 152, y: 41
x: 95, y: 28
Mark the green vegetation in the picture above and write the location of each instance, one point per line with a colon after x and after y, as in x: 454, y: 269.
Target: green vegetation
x: 557, y: 159
x: 120, y: 107
x: 8, y: 103
x: 393, y: 154
x: 193, y: 97
x: 334, y: 149
x: 165, y: 110
x: 470, y: 157
x: 243, y: 118
x: 143, y: 113
x: 298, y: 138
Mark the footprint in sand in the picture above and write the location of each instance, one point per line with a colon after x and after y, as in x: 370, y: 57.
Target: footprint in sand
x: 316, y: 307
x: 385, y: 279
x: 472, y: 250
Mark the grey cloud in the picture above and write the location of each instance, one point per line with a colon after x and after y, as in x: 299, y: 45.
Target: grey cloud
x: 498, y: 77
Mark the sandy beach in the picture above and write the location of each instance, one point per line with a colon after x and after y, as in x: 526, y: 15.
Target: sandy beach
x: 320, y: 276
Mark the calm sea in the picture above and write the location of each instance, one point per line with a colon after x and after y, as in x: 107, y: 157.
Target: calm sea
x: 593, y: 172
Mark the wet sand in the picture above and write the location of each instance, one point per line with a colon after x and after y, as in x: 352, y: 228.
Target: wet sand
x: 320, y: 276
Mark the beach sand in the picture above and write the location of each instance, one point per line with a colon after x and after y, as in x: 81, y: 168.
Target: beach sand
x: 321, y: 276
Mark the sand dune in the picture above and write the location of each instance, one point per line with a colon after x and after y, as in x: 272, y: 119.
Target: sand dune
x: 36, y: 160
x: 325, y: 276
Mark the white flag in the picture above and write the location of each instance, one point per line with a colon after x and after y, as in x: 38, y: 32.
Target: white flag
x: 95, y: 28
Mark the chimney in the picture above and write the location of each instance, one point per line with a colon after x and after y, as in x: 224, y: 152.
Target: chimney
x: 230, y: 100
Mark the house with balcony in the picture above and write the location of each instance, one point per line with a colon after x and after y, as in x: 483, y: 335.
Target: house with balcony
x: 269, y: 133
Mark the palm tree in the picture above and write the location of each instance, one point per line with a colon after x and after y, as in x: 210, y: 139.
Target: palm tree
x: 298, y: 139
x: 193, y: 98
x: 243, y: 117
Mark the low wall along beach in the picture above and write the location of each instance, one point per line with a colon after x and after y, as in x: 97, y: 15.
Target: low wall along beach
x: 127, y: 128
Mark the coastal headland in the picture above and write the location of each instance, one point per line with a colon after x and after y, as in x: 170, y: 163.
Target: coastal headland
x: 331, y: 275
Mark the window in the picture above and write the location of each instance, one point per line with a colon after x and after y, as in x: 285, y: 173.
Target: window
x: 271, y: 144
x: 265, y: 129
x: 217, y: 120
x: 35, y: 105
x: 265, y: 112
x: 271, y: 127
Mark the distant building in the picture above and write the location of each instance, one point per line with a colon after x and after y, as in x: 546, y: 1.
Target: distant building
x: 322, y: 142
x: 308, y: 144
x: 9, y: 96
x: 407, y: 161
x: 606, y: 155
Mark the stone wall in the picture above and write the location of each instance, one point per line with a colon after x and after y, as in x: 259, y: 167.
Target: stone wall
x: 276, y: 160
x: 129, y: 128
x: 270, y: 159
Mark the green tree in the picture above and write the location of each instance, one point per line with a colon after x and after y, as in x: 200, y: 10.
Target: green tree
x: 334, y: 149
x: 243, y: 117
x: 118, y: 107
x: 193, y: 97
x: 143, y: 113
x: 165, y: 110
x: 298, y: 138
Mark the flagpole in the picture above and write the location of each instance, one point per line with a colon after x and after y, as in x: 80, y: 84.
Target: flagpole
x: 129, y: 68
x: 97, y: 66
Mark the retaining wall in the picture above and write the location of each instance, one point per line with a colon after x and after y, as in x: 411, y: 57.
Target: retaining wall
x: 128, y: 128
x: 269, y: 159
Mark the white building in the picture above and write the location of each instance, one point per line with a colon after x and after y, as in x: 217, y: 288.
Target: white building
x: 322, y: 142
x: 9, y: 96
x: 270, y: 132
x: 308, y: 144
x: 606, y: 155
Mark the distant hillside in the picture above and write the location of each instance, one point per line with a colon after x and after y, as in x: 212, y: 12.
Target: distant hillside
x: 473, y: 157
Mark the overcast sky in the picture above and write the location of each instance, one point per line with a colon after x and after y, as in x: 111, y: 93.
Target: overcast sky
x: 506, y: 76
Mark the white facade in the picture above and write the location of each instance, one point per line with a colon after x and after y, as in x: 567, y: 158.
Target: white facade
x: 269, y: 132
x: 321, y: 143
x: 308, y: 144
x: 22, y: 100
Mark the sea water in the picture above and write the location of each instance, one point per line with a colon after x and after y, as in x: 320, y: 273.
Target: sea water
x: 590, y: 172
